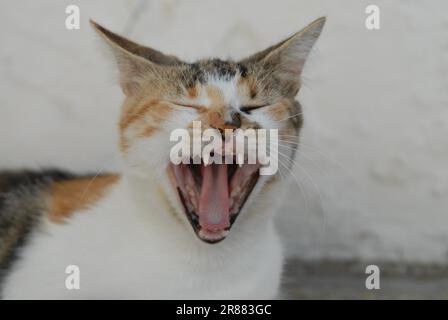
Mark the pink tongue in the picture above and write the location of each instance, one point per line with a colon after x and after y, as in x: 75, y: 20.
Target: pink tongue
x: 214, y: 198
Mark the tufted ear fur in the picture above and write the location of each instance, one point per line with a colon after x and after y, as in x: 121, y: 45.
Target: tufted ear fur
x: 135, y: 62
x: 287, y: 58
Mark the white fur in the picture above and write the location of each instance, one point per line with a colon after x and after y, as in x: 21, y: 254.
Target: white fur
x: 130, y: 247
x: 228, y: 89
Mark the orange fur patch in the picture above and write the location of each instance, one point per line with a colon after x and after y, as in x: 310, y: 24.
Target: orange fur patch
x: 160, y: 111
x: 157, y: 110
x: 248, y: 86
x: 133, y: 114
x: 148, y: 131
x: 279, y: 111
x: 215, y: 119
x: 192, y: 92
x: 66, y: 197
x: 215, y: 97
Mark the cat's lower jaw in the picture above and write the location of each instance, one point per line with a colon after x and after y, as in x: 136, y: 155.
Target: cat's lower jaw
x: 132, y: 246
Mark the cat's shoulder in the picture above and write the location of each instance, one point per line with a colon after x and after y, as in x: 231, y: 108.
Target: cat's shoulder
x: 28, y: 197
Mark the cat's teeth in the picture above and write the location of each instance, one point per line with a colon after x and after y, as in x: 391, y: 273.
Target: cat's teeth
x: 190, y: 191
x: 240, y: 160
x: 206, y: 159
x: 186, y: 159
x: 219, y: 152
x: 236, y: 190
x: 193, y: 201
x: 192, y: 196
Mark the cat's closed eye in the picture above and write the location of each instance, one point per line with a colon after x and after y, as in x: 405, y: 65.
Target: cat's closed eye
x: 185, y: 105
x: 245, y: 109
x: 249, y: 109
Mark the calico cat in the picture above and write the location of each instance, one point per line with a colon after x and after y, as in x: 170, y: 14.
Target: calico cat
x: 145, y: 234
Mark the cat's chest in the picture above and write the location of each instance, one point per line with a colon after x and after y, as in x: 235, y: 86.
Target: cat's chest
x: 124, y: 259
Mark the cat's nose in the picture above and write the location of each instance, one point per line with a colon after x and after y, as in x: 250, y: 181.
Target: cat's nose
x: 229, y: 121
x: 234, y: 122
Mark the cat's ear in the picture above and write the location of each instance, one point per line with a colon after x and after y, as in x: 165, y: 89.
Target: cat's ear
x: 135, y: 62
x: 287, y: 58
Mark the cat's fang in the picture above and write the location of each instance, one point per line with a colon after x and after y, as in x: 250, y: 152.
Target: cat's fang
x: 214, y: 195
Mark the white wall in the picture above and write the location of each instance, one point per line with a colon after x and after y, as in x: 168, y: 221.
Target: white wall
x: 376, y: 107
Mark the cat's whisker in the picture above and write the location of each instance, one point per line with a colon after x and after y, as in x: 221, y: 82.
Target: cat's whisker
x: 292, y: 116
x: 321, y: 153
x: 295, y: 162
x: 299, y: 184
x: 300, y: 153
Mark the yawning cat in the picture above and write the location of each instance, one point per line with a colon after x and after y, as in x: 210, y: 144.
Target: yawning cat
x: 159, y: 229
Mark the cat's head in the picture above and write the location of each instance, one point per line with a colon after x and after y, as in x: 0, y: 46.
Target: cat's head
x: 164, y: 93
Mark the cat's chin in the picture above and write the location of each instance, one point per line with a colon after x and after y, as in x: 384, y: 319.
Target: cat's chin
x: 213, y: 195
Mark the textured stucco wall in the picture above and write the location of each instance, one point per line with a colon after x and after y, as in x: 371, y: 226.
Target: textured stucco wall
x: 374, y: 163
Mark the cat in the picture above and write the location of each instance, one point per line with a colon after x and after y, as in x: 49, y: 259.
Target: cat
x: 144, y: 234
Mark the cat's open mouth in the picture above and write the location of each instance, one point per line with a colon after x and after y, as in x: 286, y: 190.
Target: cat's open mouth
x: 213, y: 195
